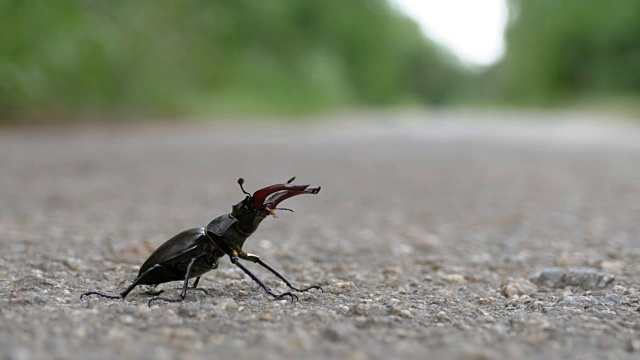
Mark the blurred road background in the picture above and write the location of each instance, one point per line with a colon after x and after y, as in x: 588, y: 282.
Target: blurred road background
x: 469, y: 209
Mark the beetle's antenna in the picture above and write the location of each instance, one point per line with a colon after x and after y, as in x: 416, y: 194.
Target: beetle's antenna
x: 240, y: 182
x: 283, y: 209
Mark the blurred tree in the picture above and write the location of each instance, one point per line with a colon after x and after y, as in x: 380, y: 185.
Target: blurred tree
x: 560, y: 49
x: 81, y: 57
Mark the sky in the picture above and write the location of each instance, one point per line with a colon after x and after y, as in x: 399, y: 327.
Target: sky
x: 472, y: 29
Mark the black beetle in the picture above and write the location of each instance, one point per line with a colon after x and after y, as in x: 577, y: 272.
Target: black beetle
x: 196, y: 251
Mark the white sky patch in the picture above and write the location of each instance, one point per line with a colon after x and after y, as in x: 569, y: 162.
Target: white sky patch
x: 472, y: 29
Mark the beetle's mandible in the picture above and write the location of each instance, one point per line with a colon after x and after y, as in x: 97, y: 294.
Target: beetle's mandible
x: 196, y: 251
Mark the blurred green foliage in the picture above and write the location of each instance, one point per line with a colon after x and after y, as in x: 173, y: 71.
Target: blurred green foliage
x: 86, y: 57
x: 76, y: 58
x: 560, y: 50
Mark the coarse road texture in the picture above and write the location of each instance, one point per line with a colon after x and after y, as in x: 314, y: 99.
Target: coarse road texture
x: 448, y: 235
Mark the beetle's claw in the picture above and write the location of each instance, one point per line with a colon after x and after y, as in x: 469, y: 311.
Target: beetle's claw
x: 316, y: 287
x: 293, y: 296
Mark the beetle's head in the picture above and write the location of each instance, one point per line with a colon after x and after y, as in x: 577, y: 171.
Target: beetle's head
x: 255, y: 208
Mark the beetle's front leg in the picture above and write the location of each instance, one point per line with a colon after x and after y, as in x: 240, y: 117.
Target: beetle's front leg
x: 256, y: 259
x: 236, y: 261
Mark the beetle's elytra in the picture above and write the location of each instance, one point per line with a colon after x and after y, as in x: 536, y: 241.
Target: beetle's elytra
x: 193, y: 252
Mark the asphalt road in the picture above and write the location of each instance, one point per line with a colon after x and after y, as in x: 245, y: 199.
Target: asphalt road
x: 442, y: 235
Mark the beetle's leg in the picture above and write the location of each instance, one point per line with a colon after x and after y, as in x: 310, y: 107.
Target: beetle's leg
x: 105, y: 295
x: 195, y: 286
x: 126, y: 291
x: 256, y: 259
x: 236, y: 262
x: 184, y: 287
x: 138, y: 279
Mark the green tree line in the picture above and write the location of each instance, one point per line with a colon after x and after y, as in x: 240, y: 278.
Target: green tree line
x: 559, y: 50
x: 84, y: 57
x: 78, y: 58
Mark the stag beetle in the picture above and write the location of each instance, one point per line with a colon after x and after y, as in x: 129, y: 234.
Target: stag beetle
x: 196, y: 251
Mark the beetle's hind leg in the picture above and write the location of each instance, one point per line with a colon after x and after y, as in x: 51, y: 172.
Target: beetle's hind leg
x: 184, y: 287
x: 100, y: 293
x: 126, y: 291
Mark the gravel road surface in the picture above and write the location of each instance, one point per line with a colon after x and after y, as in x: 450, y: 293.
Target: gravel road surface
x: 443, y: 235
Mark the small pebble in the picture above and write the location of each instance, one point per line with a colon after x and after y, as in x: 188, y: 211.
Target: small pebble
x: 512, y: 287
x: 267, y: 316
x: 484, y: 301
x: 633, y: 345
x: 400, y: 312
x: 614, y: 266
x: 442, y: 316
x: 454, y: 278
x: 533, y: 321
x: 583, y: 278
x: 343, y: 284
x: 227, y: 305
